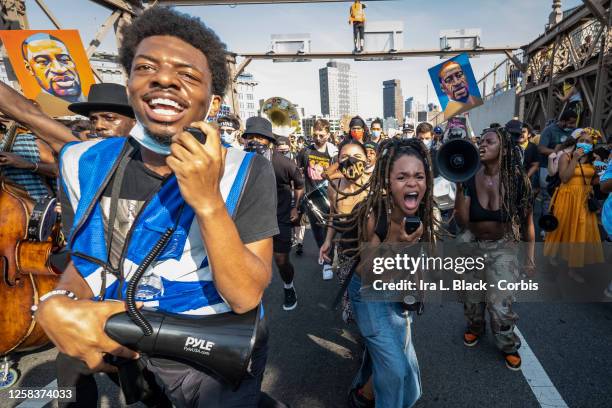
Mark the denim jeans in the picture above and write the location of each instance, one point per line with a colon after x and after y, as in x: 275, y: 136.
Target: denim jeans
x: 390, y: 357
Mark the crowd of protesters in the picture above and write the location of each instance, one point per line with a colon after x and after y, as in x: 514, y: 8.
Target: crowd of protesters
x: 348, y: 189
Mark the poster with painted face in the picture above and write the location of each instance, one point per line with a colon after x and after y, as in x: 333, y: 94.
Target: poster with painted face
x: 51, y: 67
x: 455, y: 85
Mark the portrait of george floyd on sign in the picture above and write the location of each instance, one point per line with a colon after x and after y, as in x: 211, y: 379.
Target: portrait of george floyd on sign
x: 455, y: 85
x: 51, y: 67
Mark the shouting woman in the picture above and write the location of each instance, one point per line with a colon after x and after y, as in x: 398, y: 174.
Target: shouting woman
x: 401, y: 186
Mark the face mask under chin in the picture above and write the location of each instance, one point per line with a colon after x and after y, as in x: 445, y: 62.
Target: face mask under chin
x: 148, y: 141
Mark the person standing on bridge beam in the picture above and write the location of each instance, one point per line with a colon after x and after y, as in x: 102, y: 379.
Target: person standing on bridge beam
x: 357, y: 19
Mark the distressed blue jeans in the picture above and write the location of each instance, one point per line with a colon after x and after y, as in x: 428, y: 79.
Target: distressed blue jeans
x: 390, y: 357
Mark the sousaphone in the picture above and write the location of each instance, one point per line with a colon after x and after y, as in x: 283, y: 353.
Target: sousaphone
x: 283, y: 115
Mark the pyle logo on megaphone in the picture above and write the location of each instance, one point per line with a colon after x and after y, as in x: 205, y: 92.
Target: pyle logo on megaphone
x: 197, y: 345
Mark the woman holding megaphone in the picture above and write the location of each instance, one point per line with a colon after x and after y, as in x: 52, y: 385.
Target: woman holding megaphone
x: 494, y: 208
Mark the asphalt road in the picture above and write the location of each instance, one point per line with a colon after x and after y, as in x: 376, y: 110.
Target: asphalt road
x: 313, y: 355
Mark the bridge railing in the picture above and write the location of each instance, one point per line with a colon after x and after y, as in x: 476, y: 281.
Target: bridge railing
x: 503, y: 76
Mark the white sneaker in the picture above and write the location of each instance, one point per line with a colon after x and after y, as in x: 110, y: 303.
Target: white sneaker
x: 328, y: 273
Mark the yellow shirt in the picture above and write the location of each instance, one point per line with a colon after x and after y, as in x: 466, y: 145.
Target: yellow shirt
x: 357, y: 13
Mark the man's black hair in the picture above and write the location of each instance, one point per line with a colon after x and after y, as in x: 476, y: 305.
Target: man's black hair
x: 424, y: 127
x: 602, y: 152
x: 568, y: 114
x: 494, y: 125
x: 165, y: 21
x: 528, y: 127
x: 377, y: 120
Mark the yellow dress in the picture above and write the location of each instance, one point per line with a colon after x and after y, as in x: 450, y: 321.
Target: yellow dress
x: 576, y: 239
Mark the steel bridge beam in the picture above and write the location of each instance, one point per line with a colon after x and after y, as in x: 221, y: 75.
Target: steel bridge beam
x: 366, y: 55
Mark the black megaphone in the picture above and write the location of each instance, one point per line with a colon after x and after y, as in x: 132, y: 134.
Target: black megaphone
x: 457, y: 160
x: 220, y: 343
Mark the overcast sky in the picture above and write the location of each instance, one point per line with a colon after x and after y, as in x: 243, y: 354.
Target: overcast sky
x: 247, y: 28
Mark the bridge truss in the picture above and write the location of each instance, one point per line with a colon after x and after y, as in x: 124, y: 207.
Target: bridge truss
x: 580, y: 47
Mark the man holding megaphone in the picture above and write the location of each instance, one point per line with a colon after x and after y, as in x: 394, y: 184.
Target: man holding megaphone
x: 171, y: 218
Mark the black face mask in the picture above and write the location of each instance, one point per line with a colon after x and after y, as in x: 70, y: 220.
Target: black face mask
x: 259, y: 148
x: 352, y: 168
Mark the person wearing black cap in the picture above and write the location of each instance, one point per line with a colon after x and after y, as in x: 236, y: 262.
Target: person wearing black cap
x: 408, y: 130
x: 229, y: 127
x: 108, y: 110
x: 289, y: 190
x: 283, y: 147
x: 371, y: 149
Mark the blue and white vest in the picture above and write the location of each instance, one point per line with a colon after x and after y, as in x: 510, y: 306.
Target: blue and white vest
x: 85, y: 169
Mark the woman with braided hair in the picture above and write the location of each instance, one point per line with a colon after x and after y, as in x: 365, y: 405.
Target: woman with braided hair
x: 401, y: 185
x: 494, y: 208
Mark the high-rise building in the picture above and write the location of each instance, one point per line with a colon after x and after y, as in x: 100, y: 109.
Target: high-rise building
x: 408, y: 105
x: 338, y: 90
x: 392, y: 99
x: 246, y: 84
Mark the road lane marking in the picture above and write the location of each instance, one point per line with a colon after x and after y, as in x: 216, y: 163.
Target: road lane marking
x: 539, y: 382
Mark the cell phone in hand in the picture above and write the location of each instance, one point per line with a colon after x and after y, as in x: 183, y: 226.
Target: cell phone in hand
x: 411, y: 224
x: 197, y: 133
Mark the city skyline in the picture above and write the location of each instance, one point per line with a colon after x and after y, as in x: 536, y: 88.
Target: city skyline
x: 326, y: 22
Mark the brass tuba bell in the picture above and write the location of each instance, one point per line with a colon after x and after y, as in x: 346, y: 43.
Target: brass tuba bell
x: 283, y: 115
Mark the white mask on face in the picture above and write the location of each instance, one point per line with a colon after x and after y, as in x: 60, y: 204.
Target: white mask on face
x: 144, y: 138
x: 428, y: 143
x: 229, y: 138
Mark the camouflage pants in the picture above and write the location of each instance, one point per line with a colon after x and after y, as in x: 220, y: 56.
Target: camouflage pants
x: 501, y: 263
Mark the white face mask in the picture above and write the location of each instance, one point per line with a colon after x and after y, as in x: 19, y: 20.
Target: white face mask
x: 142, y: 136
x: 428, y: 143
x: 229, y: 138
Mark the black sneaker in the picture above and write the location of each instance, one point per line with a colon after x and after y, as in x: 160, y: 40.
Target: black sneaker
x: 299, y: 250
x: 290, y: 299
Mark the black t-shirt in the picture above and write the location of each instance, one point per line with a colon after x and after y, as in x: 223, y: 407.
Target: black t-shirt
x: 434, y: 162
x: 288, y: 177
x: 255, y: 217
x: 530, y: 155
x: 314, y: 164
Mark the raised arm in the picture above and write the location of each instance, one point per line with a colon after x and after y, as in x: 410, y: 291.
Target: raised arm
x: 18, y: 108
